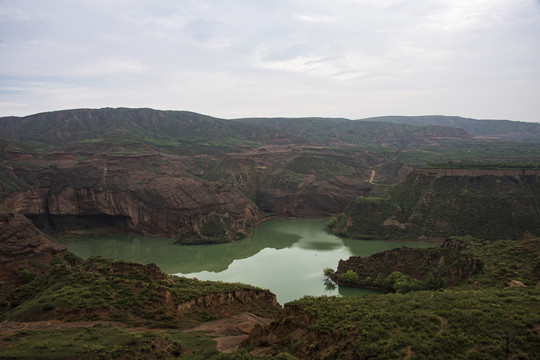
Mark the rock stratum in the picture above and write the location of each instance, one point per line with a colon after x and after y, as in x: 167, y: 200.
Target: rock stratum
x: 24, y: 250
x: 448, y: 265
x: 442, y: 202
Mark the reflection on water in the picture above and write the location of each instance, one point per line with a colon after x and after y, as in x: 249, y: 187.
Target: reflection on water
x: 287, y: 256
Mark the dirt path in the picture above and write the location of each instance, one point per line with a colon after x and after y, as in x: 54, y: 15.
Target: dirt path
x: 443, y: 325
x: 372, y: 177
x: 230, y: 332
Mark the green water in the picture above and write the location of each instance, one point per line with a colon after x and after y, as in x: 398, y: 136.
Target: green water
x: 286, y: 256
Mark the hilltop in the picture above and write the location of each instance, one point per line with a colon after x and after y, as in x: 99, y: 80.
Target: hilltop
x: 486, y: 129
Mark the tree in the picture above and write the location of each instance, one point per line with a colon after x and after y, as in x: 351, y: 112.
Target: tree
x: 350, y: 277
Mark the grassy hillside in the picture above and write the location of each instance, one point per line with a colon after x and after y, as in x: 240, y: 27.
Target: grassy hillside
x: 334, y: 131
x: 104, y: 309
x: 489, y: 313
x: 502, y: 129
x: 469, y: 324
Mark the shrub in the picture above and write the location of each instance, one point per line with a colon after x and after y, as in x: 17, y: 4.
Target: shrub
x: 349, y: 277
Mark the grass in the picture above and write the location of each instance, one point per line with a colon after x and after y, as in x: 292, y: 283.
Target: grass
x: 504, y: 260
x: 453, y: 324
x: 100, y: 289
x: 479, y: 263
x: 106, y: 341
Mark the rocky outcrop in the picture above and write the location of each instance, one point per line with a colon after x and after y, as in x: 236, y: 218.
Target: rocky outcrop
x: 293, y: 329
x: 195, y: 199
x: 438, y: 203
x: 151, y: 201
x: 149, y: 272
x: 226, y: 302
x: 23, y: 248
x: 310, y: 198
x: 446, y: 261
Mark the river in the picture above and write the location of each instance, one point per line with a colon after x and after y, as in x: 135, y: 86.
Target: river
x: 286, y: 256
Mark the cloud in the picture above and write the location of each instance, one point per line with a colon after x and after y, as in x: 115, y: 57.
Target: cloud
x: 235, y: 58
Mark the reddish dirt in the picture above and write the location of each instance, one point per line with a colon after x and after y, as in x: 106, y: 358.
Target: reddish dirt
x: 230, y: 332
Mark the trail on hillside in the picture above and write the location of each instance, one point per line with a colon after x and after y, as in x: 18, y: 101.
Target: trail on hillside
x: 372, y: 177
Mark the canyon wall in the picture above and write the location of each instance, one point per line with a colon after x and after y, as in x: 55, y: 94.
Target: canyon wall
x: 438, y: 203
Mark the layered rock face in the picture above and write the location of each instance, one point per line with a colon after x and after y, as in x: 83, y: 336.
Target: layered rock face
x: 224, y: 302
x: 439, y: 203
x: 150, y: 201
x: 446, y: 260
x: 309, y: 198
x: 23, y: 246
x: 171, y: 195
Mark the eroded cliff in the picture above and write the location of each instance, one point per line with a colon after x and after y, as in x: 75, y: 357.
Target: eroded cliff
x: 140, y: 194
x: 438, y: 203
x: 24, y: 250
x: 446, y: 265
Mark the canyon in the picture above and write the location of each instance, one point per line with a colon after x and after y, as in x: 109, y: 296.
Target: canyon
x: 202, y: 179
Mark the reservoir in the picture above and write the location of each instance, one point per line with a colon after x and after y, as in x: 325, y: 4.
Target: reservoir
x: 286, y: 256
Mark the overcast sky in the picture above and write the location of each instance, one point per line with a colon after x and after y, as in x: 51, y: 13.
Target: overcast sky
x: 243, y: 58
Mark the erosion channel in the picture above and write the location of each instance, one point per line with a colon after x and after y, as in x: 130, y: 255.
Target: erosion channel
x: 286, y: 256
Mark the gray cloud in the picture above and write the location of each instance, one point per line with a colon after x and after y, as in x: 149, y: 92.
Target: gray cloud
x: 235, y: 58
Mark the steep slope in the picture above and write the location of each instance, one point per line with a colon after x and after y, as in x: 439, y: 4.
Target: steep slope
x: 456, y: 263
x: 490, y: 323
x: 490, y: 204
x: 24, y: 250
x: 62, y: 306
x: 136, y: 192
x: 446, y: 265
x: 177, y: 174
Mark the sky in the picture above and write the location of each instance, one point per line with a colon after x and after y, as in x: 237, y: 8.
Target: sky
x: 294, y: 58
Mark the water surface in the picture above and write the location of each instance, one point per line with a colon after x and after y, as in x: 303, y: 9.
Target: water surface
x: 286, y: 256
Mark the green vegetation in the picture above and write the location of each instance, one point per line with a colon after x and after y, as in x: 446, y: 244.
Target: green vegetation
x: 485, y: 206
x: 453, y: 325
x: 10, y: 182
x: 100, y: 289
x: 504, y: 261
x: 480, y: 317
x: 484, y: 165
x: 326, y: 165
x: 115, y: 309
x: 458, y: 263
x: 210, y: 229
x: 349, y: 277
x: 106, y: 340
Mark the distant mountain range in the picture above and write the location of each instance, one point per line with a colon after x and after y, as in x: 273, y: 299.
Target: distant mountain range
x: 499, y: 129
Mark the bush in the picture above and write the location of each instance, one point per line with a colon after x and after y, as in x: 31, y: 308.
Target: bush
x: 349, y: 277
x: 328, y: 272
x: 25, y: 274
